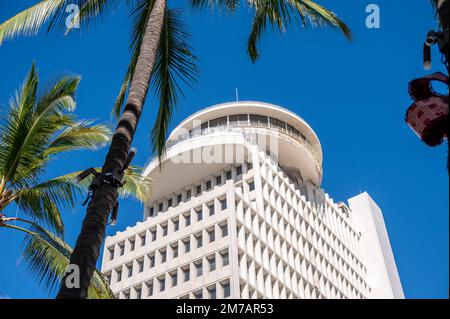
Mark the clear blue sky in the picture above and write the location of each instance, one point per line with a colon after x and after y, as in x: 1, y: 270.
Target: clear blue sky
x: 354, y: 95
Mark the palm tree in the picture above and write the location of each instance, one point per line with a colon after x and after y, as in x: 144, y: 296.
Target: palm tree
x: 160, y: 56
x: 33, y: 130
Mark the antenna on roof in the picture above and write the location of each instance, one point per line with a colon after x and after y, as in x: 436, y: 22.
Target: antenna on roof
x: 237, y: 95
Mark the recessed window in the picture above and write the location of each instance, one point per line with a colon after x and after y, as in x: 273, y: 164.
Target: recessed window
x: 198, y: 189
x: 198, y: 294
x: 212, y: 263
x: 238, y: 170
x: 179, y: 198
x: 199, y: 239
x: 208, y: 185
x: 226, y: 291
x: 126, y: 294
x: 188, y: 194
x: 143, y: 238
x: 174, y: 250
x: 152, y: 211
x: 212, y: 293
x: 224, y: 230
x: 223, y: 204
x: 211, y: 209
x: 138, y: 292
x: 153, y: 234
x: 132, y: 245
x: 199, y: 214
x: 218, y: 180
x: 251, y: 186
x: 164, y: 230
x: 150, y: 288
x: 211, y: 235
x: 140, y: 265
x: 187, y: 220
x: 174, y: 279
x: 176, y: 225
x: 130, y: 270
x: 160, y: 207
x: 186, y: 274
x: 228, y: 174
x: 151, y: 259
x: 249, y: 166
x: 225, y: 258
x: 119, y: 274
x: 162, y: 284
x: 122, y: 249
x: 187, y: 245
x: 198, y: 268
x: 169, y: 203
x: 111, y: 253
x: 163, y: 254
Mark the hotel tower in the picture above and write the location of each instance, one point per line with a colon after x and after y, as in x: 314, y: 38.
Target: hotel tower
x: 237, y: 211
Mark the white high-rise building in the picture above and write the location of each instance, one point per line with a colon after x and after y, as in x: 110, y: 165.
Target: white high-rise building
x: 238, y: 212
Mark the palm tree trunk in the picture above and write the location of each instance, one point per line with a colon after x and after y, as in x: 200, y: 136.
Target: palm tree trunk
x: 87, y: 247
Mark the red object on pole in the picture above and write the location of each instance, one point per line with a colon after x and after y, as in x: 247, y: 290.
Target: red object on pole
x: 428, y: 115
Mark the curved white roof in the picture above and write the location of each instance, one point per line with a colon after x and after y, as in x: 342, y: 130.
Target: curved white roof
x: 251, y: 107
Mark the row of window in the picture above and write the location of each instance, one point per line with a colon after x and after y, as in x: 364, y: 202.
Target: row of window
x: 204, y: 185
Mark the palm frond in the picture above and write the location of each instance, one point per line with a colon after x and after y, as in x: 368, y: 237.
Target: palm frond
x: 174, y: 63
x: 281, y: 13
x: 48, y: 256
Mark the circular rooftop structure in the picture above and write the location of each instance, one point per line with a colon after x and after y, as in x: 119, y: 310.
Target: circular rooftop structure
x: 271, y: 128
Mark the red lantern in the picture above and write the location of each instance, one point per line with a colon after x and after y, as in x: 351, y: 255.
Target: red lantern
x: 428, y: 115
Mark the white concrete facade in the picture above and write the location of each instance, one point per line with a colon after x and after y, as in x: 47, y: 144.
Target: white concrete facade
x: 238, y: 212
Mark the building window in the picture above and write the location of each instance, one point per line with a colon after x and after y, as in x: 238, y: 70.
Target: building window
x: 212, y: 263
x: 179, y: 198
x: 225, y: 258
x: 223, y: 204
x: 122, y: 249
x: 169, y: 203
x: 226, y: 291
x: 152, y: 260
x: 198, y: 294
x: 188, y: 194
x: 187, y: 220
x: 228, y: 175
x: 126, y: 294
x: 218, y: 180
x: 239, y: 170
x: 199, y: 239
x: 152, y: 211
x: 199, y: 215
x: 132, y: 245
x: 211, y: 209
x: 119, y: 274
x: 143, y: 238
x: 208, y: 185
x: 130, y: 270
x: 111, y: 253
x: 224, y: 230
x: 176, y: 224
x: 212, y: 294
x: 249, y: 166
x: 198, y: 268
x: 162, y: 284
x: 138, y: 292
x: 174, y: 279
x: 150, y: 288
x: 153, y: 234
x: 198, y: 189
x: 163, y: 254
x: 186, y: 274
x: 211, y: 235
x: 251, y: 186
x: 174, y: 251
x: 140, y: 265
x: 164, y: 230
x: 187, y: 245
x: 160, y: 207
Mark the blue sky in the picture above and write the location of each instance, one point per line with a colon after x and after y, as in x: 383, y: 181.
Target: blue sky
x: 354, y: 95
